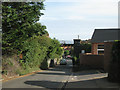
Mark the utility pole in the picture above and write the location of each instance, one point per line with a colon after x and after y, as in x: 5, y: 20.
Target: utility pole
x: 78, y: 36
x: 64, y: 42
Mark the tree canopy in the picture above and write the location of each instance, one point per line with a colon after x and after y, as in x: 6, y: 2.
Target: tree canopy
x: 19, y: 23
x: 24, y: 36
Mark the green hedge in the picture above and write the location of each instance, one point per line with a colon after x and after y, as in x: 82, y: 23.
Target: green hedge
x: 23, y: 35
x: 35, y: 51
x: 114, y: 71
x: 38, y: 49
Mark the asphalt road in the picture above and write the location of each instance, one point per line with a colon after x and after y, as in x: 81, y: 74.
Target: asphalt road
x: 52, y: 78
x: 62, y: 77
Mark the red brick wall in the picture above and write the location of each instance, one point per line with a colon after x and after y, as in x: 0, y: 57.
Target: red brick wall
x: 94, y: 48
x: 96, y: 61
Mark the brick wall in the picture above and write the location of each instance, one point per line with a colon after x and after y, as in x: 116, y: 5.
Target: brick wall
x: 99, y: 61
x: 96, y: 61
x: 94, y: 48
x: 107, y: 55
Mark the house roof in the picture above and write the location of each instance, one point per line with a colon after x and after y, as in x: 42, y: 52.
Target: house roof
x: 102, y: 35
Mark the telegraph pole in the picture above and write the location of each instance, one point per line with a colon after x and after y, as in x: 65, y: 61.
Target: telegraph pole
x: 78, y: 36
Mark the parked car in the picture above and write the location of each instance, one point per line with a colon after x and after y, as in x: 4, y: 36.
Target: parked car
x: 68, y: 57
x: 63, y: 62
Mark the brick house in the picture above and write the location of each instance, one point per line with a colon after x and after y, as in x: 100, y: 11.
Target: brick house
x: 100, y: 37
x: 102, y: 41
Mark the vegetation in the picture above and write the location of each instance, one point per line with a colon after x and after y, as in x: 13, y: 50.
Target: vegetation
x: 114, y: 71
x: 76, y: 54
x: 66, y: 52
x: 17, y: 18
x: 25, y: 39
x: 86, y: 47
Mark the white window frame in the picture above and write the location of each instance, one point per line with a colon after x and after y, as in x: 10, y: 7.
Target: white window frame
x: 99, y: 50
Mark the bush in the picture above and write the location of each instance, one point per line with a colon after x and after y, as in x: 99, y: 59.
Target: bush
x: 9, y: 65
x: 39, y: 48
x: 114, y: 71
x: 75, y: 58
x: 44, y: 65
x: 35, y: 51
x: 22, y: 35
x: 66, y: 52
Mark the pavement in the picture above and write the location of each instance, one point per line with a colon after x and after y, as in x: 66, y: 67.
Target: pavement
x: 90, y: 79
x: 62, y: 77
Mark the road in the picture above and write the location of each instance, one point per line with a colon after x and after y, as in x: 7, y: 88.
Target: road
x: 62, y: 77
x: 52, y: 78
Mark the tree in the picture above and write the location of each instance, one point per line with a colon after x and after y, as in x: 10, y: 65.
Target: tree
x: 36, y: 29
x: 55, y: 51
x: 17, y: 17
x: 23, y: 35
x: 66, y: 52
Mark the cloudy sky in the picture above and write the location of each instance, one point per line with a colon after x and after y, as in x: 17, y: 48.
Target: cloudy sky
x: 66, y: 19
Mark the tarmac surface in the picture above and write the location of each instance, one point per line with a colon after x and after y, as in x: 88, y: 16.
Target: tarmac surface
x: 62, y: 77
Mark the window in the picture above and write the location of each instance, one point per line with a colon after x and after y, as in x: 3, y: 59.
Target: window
x: 100, y: 49
x: 100, y: 46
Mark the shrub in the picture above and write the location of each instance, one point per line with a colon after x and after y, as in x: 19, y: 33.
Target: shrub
x: 114, y: 71
x: 38, y: 49
x: 35, y: 51
x: 66, y: 52
x: 44, y: 65
x: 9, y: 65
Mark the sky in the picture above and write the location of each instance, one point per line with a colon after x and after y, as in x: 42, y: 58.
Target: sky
x: 66, y: 19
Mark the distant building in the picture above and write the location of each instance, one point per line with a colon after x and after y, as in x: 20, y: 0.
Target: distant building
x: 77, y: 48
x: 85, y: 41
x: 66, y: 44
